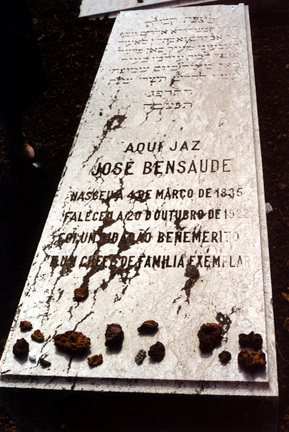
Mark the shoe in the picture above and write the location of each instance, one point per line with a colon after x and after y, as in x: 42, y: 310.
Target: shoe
x: 25, y: 152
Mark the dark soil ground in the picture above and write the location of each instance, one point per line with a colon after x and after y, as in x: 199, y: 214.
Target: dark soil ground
x: 72, y: 49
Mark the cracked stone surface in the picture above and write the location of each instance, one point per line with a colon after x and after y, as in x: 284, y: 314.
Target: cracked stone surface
x: 160, y: 213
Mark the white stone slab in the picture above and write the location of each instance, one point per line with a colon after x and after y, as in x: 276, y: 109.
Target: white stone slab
x: 182, y: 79
x: 110, y: 8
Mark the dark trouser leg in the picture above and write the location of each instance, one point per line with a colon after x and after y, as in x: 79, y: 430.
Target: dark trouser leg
x: 17, y: 145
x: 13, y: 125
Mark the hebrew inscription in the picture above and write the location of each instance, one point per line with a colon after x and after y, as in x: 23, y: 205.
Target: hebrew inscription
x: 157, y: 214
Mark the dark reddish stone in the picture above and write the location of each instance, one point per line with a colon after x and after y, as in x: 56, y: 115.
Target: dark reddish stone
x: 252, y: 361
x: 210, y: 335
x: 72, y: 342
x: 148, y: 327
x: 157, y: 351
x: 81, y: 294
x: 95, y: 360
x: 251, y: 340
x: 25, y: 326
x: 225, y: 357
x: 37, y: 336
x: 114, y: 336
x: 21, y: 348
x: 44, y: 363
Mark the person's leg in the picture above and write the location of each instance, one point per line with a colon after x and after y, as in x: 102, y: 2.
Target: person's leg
x: 16, y: 138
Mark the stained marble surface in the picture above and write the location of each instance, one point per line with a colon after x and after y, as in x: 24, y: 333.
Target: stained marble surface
x: 97, y: 8
x: 165, y: 172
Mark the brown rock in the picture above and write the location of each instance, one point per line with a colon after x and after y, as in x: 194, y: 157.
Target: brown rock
x: 25, y: 326
x: 251, y: 340
x: 72, y: 342
x: 37, y: 336
x: 148, y: 327
x: 81, y: 294
x: 44, y: 363
x: 114, y: 336
x: 210, y: 335
x: 95, y: 360
x: 21, y: 348
x: 157, y: 351
x: 225, y: 357
x: 252, y: 361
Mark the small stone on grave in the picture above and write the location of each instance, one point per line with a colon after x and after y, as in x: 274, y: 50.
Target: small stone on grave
x: 25, y: 326
x: 148, y: 327
x: 37, y: 336
x: 81, y: 294
x: 252, y: 361
x: 210, y: 336
x: 21, y: 348
x: 114, y: 336
x: 251, y: 340
x: 72, y: 342
x: 95, y: 360
x: 157, y: 351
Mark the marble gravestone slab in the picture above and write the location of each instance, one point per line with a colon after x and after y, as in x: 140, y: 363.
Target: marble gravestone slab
x: 96, y: 8
x: 164, y: 174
